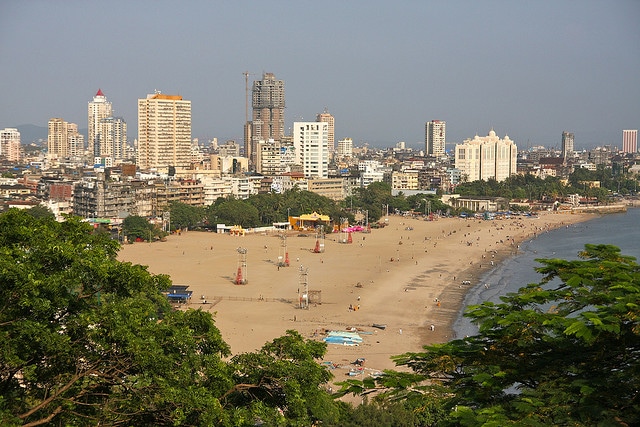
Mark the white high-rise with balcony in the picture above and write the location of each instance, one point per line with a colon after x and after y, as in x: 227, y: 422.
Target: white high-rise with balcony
x: 310, y: 140
x: 484, y: 158
x: 435, y: 135
x: 98, y: 109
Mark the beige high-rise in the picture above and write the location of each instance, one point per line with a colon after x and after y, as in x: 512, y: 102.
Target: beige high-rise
x: 63, y: 139
x: 330, y: 120
x: 164, y: 132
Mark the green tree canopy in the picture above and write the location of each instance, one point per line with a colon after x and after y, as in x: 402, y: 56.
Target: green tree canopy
x: 564, y: 351
x: 88, y: 340
x: 137, y: 227
x: 185, y: 216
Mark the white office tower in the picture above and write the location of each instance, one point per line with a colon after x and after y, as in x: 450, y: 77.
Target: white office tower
x: 310, y: 140
x: 164, y: 132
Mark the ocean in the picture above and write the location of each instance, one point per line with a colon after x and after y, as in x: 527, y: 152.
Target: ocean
x: 620, y: 230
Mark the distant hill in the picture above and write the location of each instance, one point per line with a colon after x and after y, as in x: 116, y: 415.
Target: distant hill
x: 33, y: 133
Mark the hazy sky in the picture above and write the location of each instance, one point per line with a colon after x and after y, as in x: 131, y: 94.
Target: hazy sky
x: 529, y: 69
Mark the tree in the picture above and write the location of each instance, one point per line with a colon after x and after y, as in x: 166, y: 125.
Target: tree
x: 185, y: 216
x: 137, y: 227
x: 564, y: 351
x: 233, y: 212
x: 88, y: 340
x: 40, y: 211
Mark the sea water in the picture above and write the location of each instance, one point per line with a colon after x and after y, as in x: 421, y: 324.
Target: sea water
x: 621, y: 230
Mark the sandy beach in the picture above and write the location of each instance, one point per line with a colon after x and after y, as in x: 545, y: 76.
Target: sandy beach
x: 410, y: 276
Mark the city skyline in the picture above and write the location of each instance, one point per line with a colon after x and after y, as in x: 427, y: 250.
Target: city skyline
x: 383, y: 70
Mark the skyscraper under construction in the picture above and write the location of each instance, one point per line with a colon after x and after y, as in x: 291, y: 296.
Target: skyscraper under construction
x: 268, y: 112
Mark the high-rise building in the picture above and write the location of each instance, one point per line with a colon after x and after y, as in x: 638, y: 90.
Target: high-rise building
x: 329, y: 119
x: 630, y: 141
x: 567, y: 145
x: 10, y: 148
x: 435, y: 134
x: 484, y: 158
x: 113, y: 138
x: 268, y: 112
x: 164, y: 131
x: 99, y: 109
x: 345, y: 147
x: 63, y: 139
x: 310, y: 140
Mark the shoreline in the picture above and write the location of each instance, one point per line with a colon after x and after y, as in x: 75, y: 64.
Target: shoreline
x: 407, y: 275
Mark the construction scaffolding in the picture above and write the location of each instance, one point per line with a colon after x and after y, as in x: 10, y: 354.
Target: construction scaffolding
x: 303, y: 288
x: 283, y: 255
x: 241, y: 275
x: 319, y: 248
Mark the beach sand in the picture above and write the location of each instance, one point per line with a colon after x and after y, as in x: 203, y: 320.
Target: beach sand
x: 408, y: 276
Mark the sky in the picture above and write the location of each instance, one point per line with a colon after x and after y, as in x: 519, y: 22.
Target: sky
x: 527, y: 69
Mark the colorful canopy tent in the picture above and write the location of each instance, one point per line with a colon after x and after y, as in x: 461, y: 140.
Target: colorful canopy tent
x: 310, y: 221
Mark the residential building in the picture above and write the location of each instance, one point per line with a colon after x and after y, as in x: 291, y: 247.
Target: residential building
x: 404, y: 180
x: 164, y: 132
x: 98, y: 109
x: 310, y: 140
x: 330, y: 120
x: 269, y: 158
x: 187, y: 191
x: 268, y: 112
x: 99, y: 197
x: 10, y: 148
x: 435, y: 136
x: 113, y: 139
x: 63, y: 139
x: 333, y: 188
x: 345, y: 148
x: 630, y: 141
x: 484, y: 158
x: 567, y: 146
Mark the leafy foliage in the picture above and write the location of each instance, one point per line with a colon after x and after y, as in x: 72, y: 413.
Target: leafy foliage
x: 185, y: 216
x: 564, y: 351
x: 88, y: 340
x: 137, y: 227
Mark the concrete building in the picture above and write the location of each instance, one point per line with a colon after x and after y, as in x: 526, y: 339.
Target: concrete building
x: 404, y: 180
x: 63, y: 140
x: 10, y: 148
x: 484, y: 158
x: 345, y: 148
x: 268, y: 113
x: 435, y: 136
x: 164, y: 132
x: 567, y: 145
x: 330, y: 120
x: 113, y: 139
x: 333, y: 188
x: 630, y: 141
x: 310, y: 140
x: 269, y: 158
x: 98, y: 110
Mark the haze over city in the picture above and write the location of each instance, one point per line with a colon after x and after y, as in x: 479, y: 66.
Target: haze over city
x: 382, y: 69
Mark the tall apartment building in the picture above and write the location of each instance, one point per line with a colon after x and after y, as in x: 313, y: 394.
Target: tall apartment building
x: 330, y: 120
x: 98, y: 110
x: 567, y: 145
x: 10, y: 148
x: 63, y: 139
x: 269, y: 158
x: 435, y: 135
x: 345, y: 147
x: 113, y: 138
x: 630, y: 141
x: 268, y: 112
x: 489, y: 157
x: 310, y: 140
x: 164, y: 132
